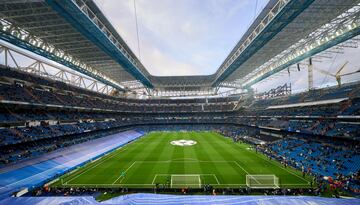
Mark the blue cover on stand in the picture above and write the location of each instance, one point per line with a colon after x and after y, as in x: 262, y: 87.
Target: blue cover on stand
x: 38, y: 170
x: 149, y: 199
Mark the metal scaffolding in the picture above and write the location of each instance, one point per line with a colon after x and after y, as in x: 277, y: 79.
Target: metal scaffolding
x: 14, y: 58
x: 77, y: 35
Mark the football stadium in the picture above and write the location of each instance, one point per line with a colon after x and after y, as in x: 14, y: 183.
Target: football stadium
x: 180, y: 102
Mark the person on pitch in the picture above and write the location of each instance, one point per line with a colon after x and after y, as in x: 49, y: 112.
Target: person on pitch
x: 122, y: 174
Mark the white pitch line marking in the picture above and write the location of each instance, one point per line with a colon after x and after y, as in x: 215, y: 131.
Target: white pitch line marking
x: 153, y: 184
x: 99, y: 162
x: 154, y: 179
x: 270, y: 161
x: 241, y: 167
x: 124, y: 172
x: 245, y: 170
x: 217, y: 180
x: 177, y: 161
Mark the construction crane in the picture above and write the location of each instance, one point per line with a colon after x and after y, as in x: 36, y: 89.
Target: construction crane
x: 338, y: 74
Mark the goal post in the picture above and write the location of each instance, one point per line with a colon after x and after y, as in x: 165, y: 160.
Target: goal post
x: 185, y: 180
x: 262, y: 181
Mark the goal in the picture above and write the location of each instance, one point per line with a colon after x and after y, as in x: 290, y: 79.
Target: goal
x: 185, y: 180
x: 262, y: 181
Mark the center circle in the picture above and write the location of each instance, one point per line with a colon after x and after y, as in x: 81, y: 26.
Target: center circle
x: 183, y: 143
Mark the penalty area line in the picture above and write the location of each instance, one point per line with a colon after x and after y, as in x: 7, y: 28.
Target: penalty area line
x: 115, y: 185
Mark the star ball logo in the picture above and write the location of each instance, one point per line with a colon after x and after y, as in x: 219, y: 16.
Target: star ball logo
x: 183, y: 143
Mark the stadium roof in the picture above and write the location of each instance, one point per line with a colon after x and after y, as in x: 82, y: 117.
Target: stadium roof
x: 78, y: 35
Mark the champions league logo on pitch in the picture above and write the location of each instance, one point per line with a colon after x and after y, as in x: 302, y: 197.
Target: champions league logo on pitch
x: 183, y: 142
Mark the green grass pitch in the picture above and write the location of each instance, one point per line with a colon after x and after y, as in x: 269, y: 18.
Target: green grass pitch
x: 151, y: 160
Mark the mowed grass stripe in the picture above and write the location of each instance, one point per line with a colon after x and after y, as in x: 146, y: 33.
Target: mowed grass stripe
x: 148, y: 151
x: 233, y: 174
x: 229, y: 173
x: 189, y: 152
x: 110, y: 172
x: 277, y: 167
x: 92, y: 175
x: 95, y: 164
x: 156, y: 154
x: 178, y: 154
x: 153, y: 155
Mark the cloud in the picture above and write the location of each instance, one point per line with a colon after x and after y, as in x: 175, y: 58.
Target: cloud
x: 193, y: 36
x: 165, y: 64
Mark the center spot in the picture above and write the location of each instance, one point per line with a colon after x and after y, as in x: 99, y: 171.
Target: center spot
x: 183, y: 142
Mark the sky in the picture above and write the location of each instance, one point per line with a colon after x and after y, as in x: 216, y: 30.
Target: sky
x: 193, y: 37
x: 183, y: 37
x: 299, y: 79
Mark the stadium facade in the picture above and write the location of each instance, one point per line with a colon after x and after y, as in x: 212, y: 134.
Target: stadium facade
x: 57, y: 124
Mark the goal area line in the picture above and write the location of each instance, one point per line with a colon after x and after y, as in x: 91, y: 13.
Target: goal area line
x: 198, y: 179
x: 119, y: 185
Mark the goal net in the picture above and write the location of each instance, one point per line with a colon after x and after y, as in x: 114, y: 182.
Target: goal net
x: 262, y: 181
x: 184, y: 180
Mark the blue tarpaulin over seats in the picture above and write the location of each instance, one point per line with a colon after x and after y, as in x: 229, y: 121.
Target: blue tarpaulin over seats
x: 38, y: 170
x: 149, y: 199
